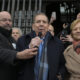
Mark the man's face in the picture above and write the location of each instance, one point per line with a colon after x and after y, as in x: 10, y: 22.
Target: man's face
x: 15, y: 34
x: 5, y: 20
x: 41, y: 24
x: 78, y: 16
x: 76, y: 32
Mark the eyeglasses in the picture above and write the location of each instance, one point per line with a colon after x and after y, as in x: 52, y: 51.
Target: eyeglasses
x: 4, y: 20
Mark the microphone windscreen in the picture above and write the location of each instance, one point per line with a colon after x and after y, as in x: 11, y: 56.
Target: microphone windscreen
x: 40, y: 34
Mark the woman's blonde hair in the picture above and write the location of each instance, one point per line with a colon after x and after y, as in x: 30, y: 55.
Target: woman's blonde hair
x: 73, y: 24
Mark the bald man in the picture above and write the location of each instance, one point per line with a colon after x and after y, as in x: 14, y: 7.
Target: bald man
x: 5, y: 20
x: 8, y: 56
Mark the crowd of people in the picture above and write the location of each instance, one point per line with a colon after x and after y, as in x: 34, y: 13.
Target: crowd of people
x: 38, y: 55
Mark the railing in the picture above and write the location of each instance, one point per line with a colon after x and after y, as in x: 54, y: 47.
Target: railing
x: 22, y: 14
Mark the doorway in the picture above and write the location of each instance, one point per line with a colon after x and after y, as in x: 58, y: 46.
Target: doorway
x: 54, y: 7
x: 66, y: 11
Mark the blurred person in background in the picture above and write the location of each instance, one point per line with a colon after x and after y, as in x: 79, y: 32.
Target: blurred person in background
x: 65, y: 36
x: 51, y: 29
x: 78, y: 16
x: 16, y: 34
x: 65, y: 33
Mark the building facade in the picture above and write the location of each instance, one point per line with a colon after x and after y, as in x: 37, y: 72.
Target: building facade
x: 23, y: 11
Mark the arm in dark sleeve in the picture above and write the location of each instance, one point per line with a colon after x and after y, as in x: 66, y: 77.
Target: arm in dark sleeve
x: 62, y: 68
x: 7, y: 56
x: 22, y: 44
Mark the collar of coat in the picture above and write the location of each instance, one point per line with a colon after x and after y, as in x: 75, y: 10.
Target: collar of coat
x: 33, y: 34
x: 5, y: 32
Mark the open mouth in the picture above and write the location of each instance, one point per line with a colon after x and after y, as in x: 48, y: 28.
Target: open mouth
x: 41, y: 30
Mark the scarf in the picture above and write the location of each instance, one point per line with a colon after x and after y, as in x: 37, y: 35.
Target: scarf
x: 42, y: 67
x: 76, y: 46
x: 5, y: 32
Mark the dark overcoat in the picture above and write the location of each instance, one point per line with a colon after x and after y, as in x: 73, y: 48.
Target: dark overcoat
x: 7, y: 59
x: 55, y: 59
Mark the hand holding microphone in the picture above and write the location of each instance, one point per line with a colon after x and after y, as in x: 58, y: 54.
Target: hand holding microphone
x: 35, y: 42
x: 30, y: 53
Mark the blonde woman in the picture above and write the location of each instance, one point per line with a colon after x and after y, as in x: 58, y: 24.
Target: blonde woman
x: 72, y: 53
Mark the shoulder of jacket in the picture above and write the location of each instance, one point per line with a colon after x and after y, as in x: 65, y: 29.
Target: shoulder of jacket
x: 2, y: 36
x: 67, y: 49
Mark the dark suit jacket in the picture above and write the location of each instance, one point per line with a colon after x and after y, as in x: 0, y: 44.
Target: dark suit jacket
x: 55, y: 59
x: 7, y: 57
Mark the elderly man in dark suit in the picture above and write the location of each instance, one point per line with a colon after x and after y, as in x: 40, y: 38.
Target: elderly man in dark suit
x: 48, y: 64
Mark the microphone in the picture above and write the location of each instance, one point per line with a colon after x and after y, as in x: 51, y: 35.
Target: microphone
x: 39, y: 34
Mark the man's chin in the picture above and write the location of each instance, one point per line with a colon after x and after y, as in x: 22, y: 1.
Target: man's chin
x: 77, y: 39
x: 8, y: 28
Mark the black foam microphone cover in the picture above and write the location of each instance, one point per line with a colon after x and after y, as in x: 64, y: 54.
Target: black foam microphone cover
x: 40, y: 34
